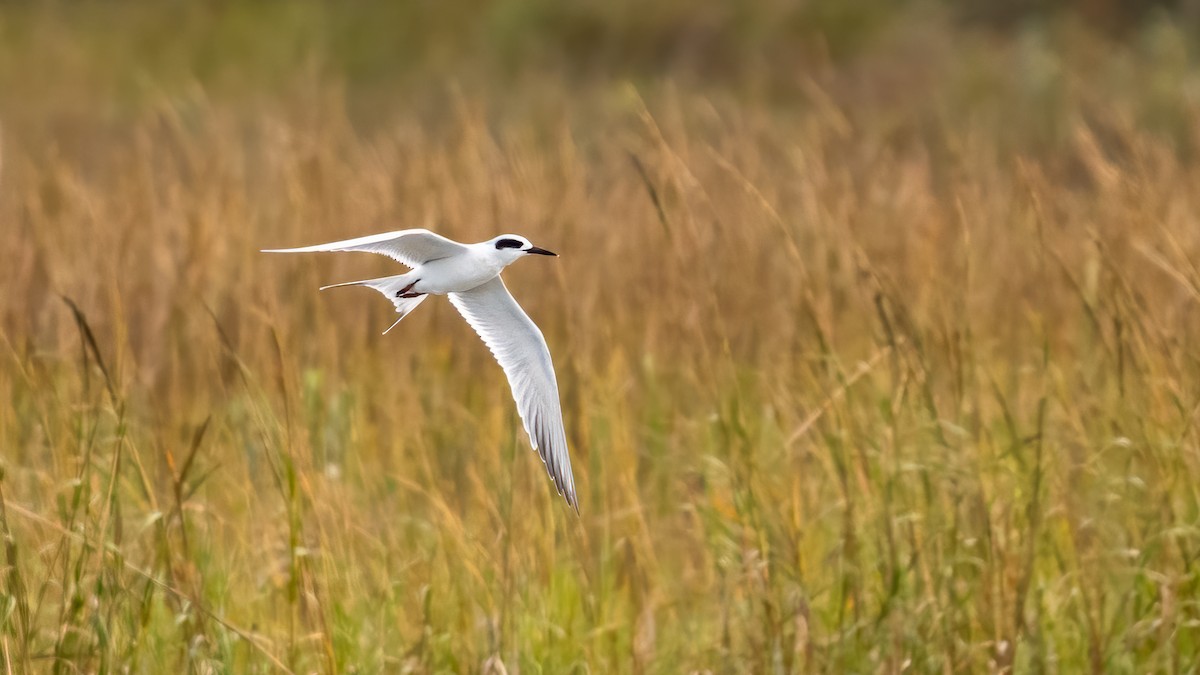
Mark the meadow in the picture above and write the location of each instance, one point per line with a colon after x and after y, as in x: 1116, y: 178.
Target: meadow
x: 874, y: 329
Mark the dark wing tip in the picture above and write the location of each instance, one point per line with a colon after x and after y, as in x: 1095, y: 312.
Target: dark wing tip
x: 567, y: 490
x: 544, y: 448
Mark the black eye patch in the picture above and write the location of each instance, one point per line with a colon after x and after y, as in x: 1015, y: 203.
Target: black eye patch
x: 508, y: 243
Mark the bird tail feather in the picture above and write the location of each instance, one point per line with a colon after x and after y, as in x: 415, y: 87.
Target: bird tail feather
x: 390, y: 287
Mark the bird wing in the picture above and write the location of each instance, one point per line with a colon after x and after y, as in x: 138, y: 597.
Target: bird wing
x: 410, y: 247
x: 516, y: 342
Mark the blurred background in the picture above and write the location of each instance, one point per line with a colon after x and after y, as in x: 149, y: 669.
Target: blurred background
x: 873, y: 323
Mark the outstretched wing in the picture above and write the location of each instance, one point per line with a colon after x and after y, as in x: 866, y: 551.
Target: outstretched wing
x: 410, y: 247
x: 518, y: 345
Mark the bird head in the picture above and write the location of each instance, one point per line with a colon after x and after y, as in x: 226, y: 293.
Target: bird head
x: 510, y: 247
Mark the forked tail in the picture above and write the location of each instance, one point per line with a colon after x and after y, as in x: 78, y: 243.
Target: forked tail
x: 395, y: 288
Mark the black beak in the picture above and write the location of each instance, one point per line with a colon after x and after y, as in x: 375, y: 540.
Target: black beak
x: 541, y: 251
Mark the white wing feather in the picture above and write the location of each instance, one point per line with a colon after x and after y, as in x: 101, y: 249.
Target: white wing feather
x: 410, y: 247
x: 517, y: 343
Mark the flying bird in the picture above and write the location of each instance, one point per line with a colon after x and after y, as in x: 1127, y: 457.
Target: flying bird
x: 469, y: 274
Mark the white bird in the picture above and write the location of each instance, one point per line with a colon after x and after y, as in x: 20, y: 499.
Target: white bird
x: 470, y: 275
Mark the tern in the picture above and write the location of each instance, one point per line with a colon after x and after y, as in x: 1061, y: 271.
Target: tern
x: 469, y: 275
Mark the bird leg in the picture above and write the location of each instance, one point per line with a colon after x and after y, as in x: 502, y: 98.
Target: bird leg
x: 404, y: 292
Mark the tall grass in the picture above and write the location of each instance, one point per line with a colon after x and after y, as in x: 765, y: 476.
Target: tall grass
x: 889, y: 369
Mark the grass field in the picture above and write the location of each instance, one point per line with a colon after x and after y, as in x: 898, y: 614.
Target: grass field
x: 875, y: 332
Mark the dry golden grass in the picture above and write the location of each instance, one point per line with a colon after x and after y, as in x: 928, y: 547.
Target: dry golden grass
x: 893, y: 372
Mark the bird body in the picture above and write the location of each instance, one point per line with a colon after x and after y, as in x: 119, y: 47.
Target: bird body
x: 470, y: 275
x: 460, y: 273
